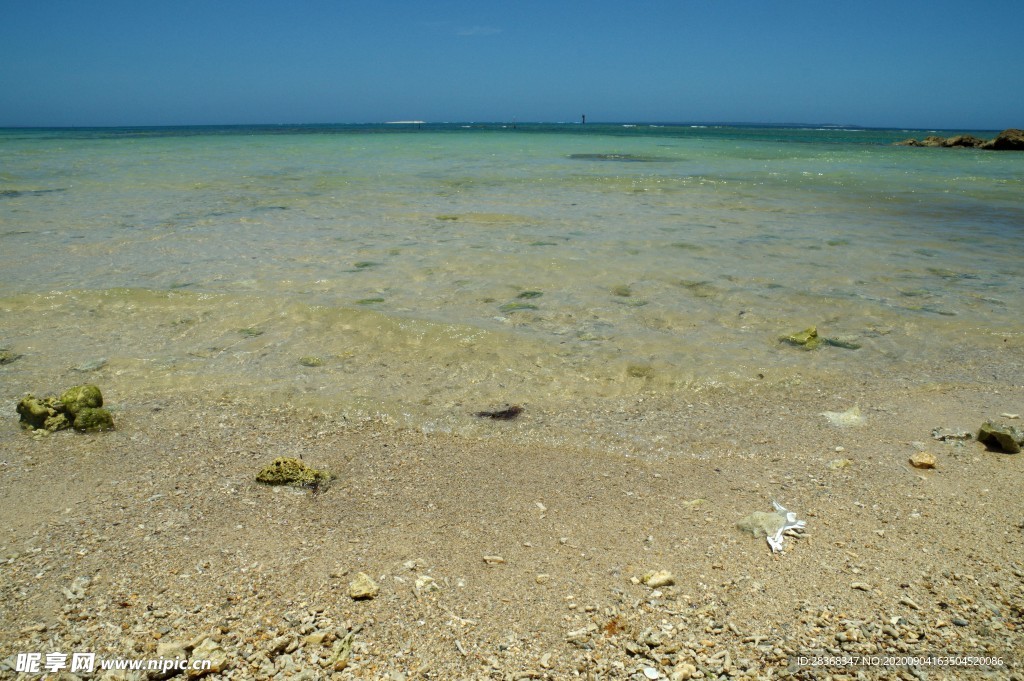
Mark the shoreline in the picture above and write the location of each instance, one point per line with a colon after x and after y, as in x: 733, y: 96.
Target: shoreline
x: 173, y: 542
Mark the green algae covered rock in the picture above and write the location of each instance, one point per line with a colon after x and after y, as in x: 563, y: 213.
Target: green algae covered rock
x: 78, y: 407
x: 93, y: 420
x: 42, y: 414
x: 286, y: 470
x: 81, y: 397
x: 808, y: 339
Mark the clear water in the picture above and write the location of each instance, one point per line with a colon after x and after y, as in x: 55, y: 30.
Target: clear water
x: 434, y: 270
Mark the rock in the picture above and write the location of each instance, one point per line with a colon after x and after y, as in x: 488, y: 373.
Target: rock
x: 683, y: 672
x: 211, y: 651
x: 933, y: 141
x: 807, y: 339
x: 6, y: 357
x: 172, y: 650
x: 362, y: 588
x: 53, y: 414
x: 494, y: 560
x: 81, y: 397
x: 1001, y: 437
x: 46, y: 413
x: 839, y: 464
x: 286, y: 470
x: 1010, y: 139
x: 923, y: 460
x: 843, y: 419
x: 963, y: 141
x: 911, y: 142
x: 311, y: 361
x: 658, y: 579
x: 93, y: 419
x: 946, y: 434
x: 341, y: 652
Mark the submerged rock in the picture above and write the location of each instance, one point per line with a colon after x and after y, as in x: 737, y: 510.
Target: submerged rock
x: 7, y: 356
x: 286, y: 470
x: 808, y: 339
x: 1001, y: 437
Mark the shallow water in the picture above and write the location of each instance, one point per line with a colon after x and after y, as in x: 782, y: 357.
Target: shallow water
x: 423, y: 273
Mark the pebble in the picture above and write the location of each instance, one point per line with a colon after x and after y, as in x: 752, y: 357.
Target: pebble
x: 494, y: 560
x: 658, y: 579
x: 923, y: 460
x: 362, y: 588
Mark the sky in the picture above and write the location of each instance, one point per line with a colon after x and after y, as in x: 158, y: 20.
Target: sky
x: 946, y: 64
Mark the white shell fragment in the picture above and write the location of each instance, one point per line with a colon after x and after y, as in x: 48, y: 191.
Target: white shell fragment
x: 772, y: 526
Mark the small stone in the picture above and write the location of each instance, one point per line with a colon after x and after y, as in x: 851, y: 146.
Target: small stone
x: 839, y: 464
x: 683, y: 672
x: 542, y: 578
x: 175, y: 650
x: 652, y: 673
x: 860, y: 586
x: 960, y: 622
x: 658, y: 579
x: 426, y: 584
x: 211, y: 651
x: 494, y: 560
x: 362, y: 587
x: 286, y: 470
x: 923, y: 460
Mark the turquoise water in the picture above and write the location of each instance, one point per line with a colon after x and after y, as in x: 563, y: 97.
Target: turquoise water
x: 427, y: 270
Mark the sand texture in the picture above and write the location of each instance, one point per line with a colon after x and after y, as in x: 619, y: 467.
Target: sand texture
x: 499, y: 558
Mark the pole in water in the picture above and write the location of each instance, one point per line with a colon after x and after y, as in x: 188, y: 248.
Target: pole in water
x: 584, y: 117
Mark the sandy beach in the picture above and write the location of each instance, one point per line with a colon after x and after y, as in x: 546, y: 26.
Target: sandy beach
x: 498, y: 559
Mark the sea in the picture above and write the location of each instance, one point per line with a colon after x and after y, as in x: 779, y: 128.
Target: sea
x: 419, y: 273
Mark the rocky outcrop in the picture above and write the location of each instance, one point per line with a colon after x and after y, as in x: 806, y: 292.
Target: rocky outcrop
x: 1009, y: 139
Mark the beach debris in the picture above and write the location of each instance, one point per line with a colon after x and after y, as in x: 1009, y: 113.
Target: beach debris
x: 80, y: 407
x: 286, y: 470
x: 1010, y: 416
x: 923, y: 460
x: 947, y: 434
x: 844, y: 419
x: 658, y: 579
x: 1000, y: 437
x: 809, y: 339
x: 362, y: 588
x: 506, y: 414
x: 772, y: 526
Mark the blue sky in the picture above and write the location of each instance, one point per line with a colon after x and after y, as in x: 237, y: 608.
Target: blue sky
x: 929, y: 64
